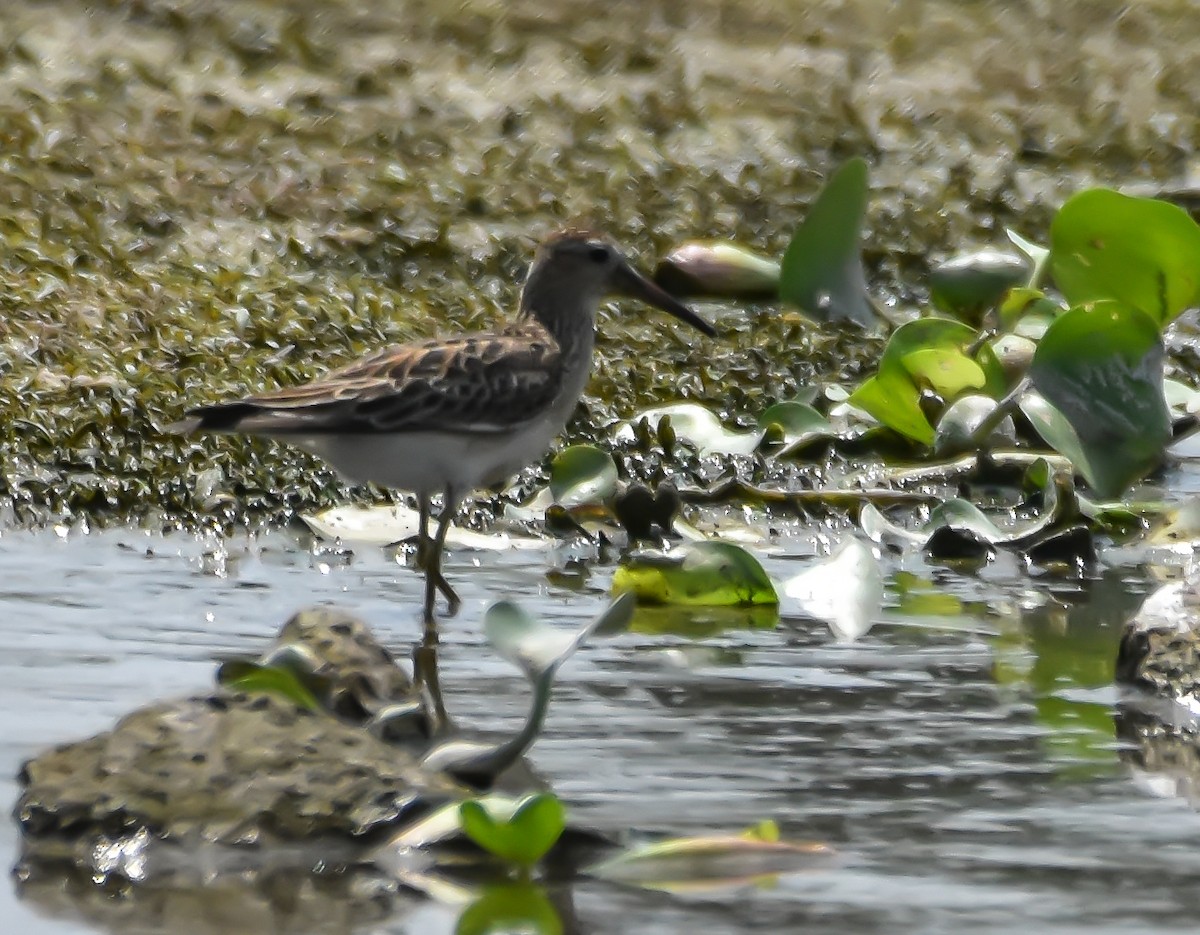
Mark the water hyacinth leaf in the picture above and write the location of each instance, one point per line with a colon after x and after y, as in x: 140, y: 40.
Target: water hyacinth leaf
x: 1021, y: 304
x: 967, y: 286
x: 795, y: 418
x: 522, y: 838
x: 252, y: 677
x: 1053, y: 427
x: 536, y: 647
x: 1142, y: 252
x: 895, y: 400
x: 697, y: 426
x: 798, y: 424
x: 582, y: 474
x: 720, y: 270
x: 878, y: 528
x: 508, y: 908
x: 965, y: 515
x: 708, y: 862
x: 959, y: 530
x: 845, y: 590
x: 958, y: 424
x: 1102, y: 369
x: 1037, y: 255
x: 822, y: 271
x: 995, y: 379
x: 705, y: 574
x: 927, y: 352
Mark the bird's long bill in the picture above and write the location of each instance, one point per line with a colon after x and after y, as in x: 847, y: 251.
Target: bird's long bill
x: 629, y: 282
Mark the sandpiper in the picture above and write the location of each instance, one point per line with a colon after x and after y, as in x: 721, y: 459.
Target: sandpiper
x: 449, y: 415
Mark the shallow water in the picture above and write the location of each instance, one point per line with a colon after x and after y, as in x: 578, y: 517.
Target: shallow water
x: 963, y: 765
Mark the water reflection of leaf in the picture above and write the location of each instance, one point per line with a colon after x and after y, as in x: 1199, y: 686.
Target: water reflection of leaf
x: 1062, y: 657
x: 516, y: 907
x: 702, y: 622
x: 713, y: 862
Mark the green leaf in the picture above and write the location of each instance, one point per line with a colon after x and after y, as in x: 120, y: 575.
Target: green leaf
x: 1102, y: 370
x: 1038, y: 256
x: 895, y: 401
x: 522, y: 838
x: 926, y: 352
x: 513, y: 907
x: 582, y: 474
x: 1022, y: 303
x: 822, y: 270
x: 967, y: 286
x: 1139, y: 251
x: 244, y: 676
x: 707, y: 574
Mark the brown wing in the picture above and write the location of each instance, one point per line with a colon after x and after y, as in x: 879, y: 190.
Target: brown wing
x: 476, y: 383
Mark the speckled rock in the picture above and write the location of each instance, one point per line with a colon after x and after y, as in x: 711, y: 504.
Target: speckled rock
x: 234, y: 768
x: 1160, y: 649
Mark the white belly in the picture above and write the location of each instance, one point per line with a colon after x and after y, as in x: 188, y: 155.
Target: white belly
x: 429, y: 462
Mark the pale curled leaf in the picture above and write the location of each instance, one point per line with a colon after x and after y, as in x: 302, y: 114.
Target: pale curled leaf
x: 844, y: 590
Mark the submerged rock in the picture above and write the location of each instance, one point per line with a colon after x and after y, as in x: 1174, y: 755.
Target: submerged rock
x: 1160, y: 648
x: 228, y: 767
x: 1156, y: 722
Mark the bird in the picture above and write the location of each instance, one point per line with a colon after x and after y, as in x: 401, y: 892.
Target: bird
x: 450, y: 415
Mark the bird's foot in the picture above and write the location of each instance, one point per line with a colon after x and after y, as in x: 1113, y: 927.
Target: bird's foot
x: 453, y: 601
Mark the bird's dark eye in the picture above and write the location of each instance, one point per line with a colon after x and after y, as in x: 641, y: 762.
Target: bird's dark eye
x: 598, y: 254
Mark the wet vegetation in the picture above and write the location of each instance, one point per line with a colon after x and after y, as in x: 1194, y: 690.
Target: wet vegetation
x: 209, y: 199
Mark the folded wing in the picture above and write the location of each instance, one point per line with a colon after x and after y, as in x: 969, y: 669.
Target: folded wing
x: 477, y: 383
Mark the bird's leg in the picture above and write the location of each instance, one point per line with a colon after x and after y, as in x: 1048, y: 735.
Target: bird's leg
x: 422, y: 559
x: 434, y: 579
x: 425, y: 671
x: 449, y: 508
x: 422, y: 530
x: 427, y: 683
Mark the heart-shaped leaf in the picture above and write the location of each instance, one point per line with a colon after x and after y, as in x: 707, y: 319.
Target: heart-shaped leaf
x: 582, y: 474
x: 1102, y: 369
x: 706, y: 573
x: 1142, y: 252
x: 822, y: 271
x: 523, y: 837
